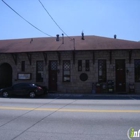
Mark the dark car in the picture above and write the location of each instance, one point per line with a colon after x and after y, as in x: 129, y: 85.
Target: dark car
x: 31, y: 90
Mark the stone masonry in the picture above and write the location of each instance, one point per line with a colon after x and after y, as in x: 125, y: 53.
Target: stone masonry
x: 75, y: 85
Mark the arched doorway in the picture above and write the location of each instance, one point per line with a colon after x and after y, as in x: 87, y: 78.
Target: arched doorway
x: 5, y: 75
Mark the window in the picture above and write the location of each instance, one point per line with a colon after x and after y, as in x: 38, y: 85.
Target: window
x: 39, y: 71
x: 53, y: 65
x: 66, y: 71
x: 23, y: 66
x: 102, y: 70
x: 79, y: 65
x: 87, y: 65
x: 137, y: 70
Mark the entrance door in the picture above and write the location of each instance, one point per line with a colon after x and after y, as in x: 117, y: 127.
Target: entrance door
x: 53, y: 75
x: 120, y: 76
x: 5, y: 75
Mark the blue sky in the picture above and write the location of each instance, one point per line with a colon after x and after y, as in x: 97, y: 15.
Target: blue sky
x: 93, y: 17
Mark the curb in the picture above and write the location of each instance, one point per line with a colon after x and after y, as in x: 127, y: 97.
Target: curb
x: 72, y: 95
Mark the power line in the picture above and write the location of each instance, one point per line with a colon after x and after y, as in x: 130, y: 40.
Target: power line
x: 53, y: 19
x: 25, y: 19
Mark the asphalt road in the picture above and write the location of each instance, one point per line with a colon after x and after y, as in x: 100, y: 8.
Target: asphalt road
x: 67, y: 119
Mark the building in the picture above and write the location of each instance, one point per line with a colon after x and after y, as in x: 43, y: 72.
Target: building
x: 71, y: 64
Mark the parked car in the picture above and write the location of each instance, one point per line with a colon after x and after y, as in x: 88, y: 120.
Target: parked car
x: 44, y: 88
x: 29, y: 89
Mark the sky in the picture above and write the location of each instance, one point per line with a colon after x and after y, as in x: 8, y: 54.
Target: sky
x: 94, y: 17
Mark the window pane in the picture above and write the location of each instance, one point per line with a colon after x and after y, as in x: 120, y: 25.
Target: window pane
x: 79, y: 65
x: 23, y: 66
x: 102, y: 70
x: 39, y: 71
x: 66, y: 65
x: 66, y: 79
x: 66, y: 71
x: 137, y: 70
x: 53, y: 65
x: 39, y: 65
x: 87, y: 65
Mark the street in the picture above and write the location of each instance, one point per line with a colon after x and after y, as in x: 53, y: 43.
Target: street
x: 67, y: 119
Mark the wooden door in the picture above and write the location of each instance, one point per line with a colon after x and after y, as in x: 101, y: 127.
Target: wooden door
x: 53, y: 75
x: 120, y: 75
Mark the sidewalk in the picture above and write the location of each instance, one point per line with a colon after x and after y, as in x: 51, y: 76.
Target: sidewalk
x: 94, y: 96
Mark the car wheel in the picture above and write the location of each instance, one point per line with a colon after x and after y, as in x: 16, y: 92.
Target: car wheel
x: 5, y: 94
x: 32, y: 94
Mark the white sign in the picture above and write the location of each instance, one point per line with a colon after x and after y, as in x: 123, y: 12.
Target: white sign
x: 24, y: 76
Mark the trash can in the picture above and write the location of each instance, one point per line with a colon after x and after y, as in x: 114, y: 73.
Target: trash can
x: 131, y: 88
x: 104, y: 88
x: 98, y: 87
x: 110, y: 86
x: 93, y: 88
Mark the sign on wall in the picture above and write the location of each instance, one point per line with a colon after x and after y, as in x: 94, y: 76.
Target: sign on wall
x: 24, y: 76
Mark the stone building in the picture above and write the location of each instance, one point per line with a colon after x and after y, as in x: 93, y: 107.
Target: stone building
x: 78, y: 64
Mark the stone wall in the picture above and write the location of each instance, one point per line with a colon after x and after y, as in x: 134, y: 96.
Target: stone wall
x: 76, y: 85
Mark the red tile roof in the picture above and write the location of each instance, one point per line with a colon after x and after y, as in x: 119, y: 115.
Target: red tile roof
x: 50, y: 44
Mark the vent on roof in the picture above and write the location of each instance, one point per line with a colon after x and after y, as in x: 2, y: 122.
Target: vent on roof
x: 31, y: 40
x: 62, y: 38
x: 82, y: 36
x: 115, y: 36
x: 57, y: 37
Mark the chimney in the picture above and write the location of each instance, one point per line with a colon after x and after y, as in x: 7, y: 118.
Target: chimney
x: 115, y: 36
x: 57, y: 37
x: 31, y: 40
x: 62, y: 38
x: 82, y: 36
